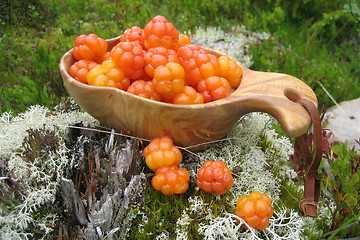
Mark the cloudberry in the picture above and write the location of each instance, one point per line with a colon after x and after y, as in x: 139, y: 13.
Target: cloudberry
x: 159, y: 32
x: 89, y: 47
x: 129, y: 56
x: 230, y: 70
x: 255, y: 209
x: 158, y: 56
x: 214, y: 88
x: 169, y: 80
x: 188, y: 95
x: 183, y: 40
x: 80, y: 69
x: 132, y: 34
x: 171, y: 180
x: 198, y: 63
x: 108, y: 74
x: 161, y: 152
x: 144, y: 89
x: 214, y: 177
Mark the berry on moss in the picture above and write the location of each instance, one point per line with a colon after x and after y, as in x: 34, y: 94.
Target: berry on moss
x: 171, y: 180
x: 214, y: 177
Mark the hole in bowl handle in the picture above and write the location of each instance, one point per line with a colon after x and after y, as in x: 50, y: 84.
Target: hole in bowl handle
x: 312, y: 189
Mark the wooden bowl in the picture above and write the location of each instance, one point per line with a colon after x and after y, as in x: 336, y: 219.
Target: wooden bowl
x: 188, y: 125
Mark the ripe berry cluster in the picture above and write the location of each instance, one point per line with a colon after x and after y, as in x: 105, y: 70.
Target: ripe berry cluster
x: 156, y: 63
x: 163, y: 158
x: 255, y: 209
x: 214, y: 177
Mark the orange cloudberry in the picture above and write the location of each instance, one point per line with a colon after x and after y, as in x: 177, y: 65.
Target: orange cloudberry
x: 214, y: 88
x: 144, y: 89
x: 230, y: 70
x: 108, y: 74
x: 255, y: 209
x: 171, y: 180
x: 198, y: 64
x: 169, y: 80
x: 80, y: 69
x: 188, y: 95
x: 90, y: 47
x: 159, y: 32
x: 183, y: 40
x: 132, y: 34
x: 129, y: 56
x: 158, y: 56
x: 161, y: 152
x: 214, y: 177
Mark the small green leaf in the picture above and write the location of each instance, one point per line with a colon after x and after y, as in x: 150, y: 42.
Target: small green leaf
x: 351, y: 201
x: 335, y: 168
x: 355, y: 179
x: 349, y: 188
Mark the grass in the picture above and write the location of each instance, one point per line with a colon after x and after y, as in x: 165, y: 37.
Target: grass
x: 317, y: 44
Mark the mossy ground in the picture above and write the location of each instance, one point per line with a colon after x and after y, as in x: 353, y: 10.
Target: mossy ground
x: 257, y: 155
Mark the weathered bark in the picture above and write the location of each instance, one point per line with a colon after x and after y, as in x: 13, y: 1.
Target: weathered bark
x: 108, y: 185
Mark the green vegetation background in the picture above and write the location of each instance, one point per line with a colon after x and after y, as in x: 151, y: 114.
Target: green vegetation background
x: 314, y: 40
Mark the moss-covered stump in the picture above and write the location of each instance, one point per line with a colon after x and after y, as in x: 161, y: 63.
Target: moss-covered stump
x: 63, y: 175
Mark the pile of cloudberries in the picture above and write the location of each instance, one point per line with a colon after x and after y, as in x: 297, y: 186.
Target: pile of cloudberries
x: 156, y: 63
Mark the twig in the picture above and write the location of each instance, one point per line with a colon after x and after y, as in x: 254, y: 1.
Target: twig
x: 290, y: 193
x: 333, y: 233
x: 326, y: 91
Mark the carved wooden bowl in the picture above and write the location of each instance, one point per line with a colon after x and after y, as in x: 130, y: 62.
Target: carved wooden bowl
x: 188, y: 125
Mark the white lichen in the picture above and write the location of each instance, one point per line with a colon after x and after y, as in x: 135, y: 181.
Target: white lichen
x: 285, y: 224
x: 162, y: 236
x: 197, y: 205
x: 37, y: 180
x: 182, y: 225
x: 254, y: 169
x: 254, y: 152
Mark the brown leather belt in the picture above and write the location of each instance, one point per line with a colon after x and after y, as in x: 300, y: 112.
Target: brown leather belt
x: 312, y: 188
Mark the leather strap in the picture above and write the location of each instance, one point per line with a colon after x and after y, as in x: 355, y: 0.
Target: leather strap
x: 312, y: 188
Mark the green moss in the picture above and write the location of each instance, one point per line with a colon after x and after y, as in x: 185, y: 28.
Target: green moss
x: 290, y: 195
x: 161, y: 212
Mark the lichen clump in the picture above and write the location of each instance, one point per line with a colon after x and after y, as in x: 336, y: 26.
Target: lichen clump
x: 33, y: 158
x: 37, y: 157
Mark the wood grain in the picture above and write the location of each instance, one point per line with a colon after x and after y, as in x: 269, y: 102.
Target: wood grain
x: 187, y: 125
